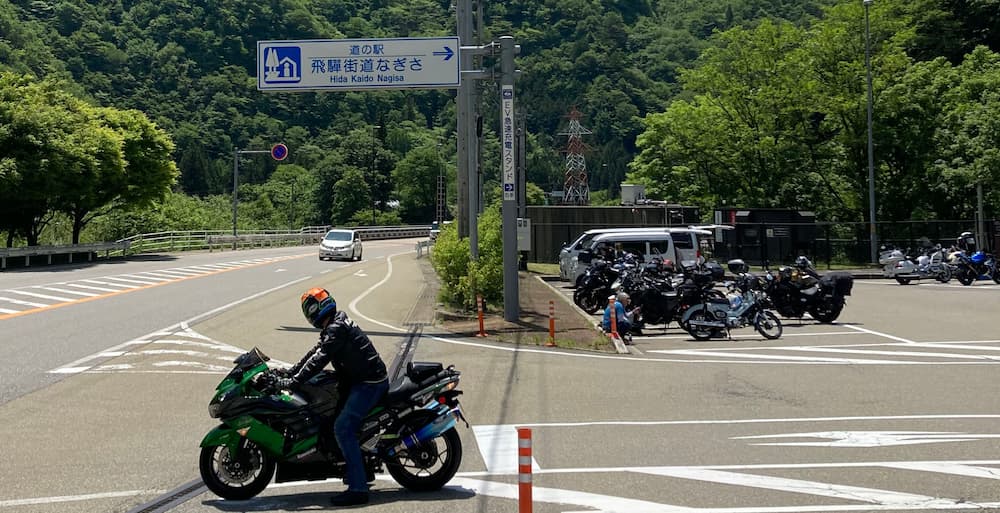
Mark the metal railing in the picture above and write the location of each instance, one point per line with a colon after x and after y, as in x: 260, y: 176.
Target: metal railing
x: 90, y: 250
x: 211, y: 240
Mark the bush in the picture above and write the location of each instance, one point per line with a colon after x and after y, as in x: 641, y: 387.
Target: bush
x: 462, y: 279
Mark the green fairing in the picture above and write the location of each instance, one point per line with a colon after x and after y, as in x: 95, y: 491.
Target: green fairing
x: 221, y: 435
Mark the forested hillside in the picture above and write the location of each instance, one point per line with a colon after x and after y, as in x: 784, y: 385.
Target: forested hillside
x: 751, y: 102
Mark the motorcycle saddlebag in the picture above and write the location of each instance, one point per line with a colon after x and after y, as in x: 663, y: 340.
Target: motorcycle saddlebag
x: 419, y: 371
x: 841, y: 282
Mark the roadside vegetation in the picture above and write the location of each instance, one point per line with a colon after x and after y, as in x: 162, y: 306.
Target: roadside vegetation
x: 139, y: 106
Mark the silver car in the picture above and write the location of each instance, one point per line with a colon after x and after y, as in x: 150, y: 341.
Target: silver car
x: 341, y: 243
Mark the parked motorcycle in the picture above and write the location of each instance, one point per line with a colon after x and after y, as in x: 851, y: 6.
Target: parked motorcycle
x: 746, y: 305
x: 979, y: 265
x: 598, y: 282
x: 800, y: 289
x: 663, y: 299
x: 288, y: 435
x: 932, y: 263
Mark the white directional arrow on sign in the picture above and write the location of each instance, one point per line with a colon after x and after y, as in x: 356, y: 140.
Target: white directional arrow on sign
x: 871, y: 438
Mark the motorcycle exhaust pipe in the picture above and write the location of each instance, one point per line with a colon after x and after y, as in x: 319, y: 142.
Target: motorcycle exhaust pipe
x: 427, y: 433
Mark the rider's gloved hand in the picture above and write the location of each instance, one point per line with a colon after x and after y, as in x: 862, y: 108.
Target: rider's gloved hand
x: 281, y: 373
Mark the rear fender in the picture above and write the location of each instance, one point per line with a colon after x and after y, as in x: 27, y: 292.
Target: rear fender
x: 691, y: 311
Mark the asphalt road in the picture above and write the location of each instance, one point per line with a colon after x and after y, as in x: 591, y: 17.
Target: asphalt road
x: 891, y: 409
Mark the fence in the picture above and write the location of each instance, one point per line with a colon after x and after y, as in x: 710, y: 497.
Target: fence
x: 832, y: 244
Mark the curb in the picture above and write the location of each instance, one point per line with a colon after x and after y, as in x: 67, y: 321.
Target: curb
x: 578, y: 310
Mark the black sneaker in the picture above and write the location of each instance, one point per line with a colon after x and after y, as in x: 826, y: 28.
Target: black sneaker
x: 349, y: 498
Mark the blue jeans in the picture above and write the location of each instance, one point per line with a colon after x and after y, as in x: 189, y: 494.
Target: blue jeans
x: 360, y: 400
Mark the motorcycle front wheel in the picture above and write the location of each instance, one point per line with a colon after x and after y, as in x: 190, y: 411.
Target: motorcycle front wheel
x: 700, y: 332
x: 236, y: 477
x: 768, y: 325
x: 429, y: 466
x: 587, y: 300
x: 903, y: 281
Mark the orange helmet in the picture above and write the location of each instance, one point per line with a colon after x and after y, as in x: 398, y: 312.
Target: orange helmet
x: 317, y: 305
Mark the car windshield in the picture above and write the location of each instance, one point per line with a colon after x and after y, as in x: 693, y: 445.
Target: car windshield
x: 341, y: 236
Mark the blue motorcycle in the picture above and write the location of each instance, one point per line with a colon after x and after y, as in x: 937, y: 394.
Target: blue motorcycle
x: 978, y: 266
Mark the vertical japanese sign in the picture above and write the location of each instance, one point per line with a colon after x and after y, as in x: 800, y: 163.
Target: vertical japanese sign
x: 507, y: 139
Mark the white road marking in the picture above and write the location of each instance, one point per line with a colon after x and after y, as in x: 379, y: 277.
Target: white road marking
x: 20, y: 302
x: 6, y: 311
x: 807, y: 359
x: 75, y: 498
x: 77, y: 366
x: 43, y: 296
x: 868, y: 438
x: 75, y: 292
x: 146, y: 276
x: 498, y: 446
x: 945, y: 467
x: 89, y: 287
x: 554, y: 495
x: 864, y: 330
x: 127, y: 280
x: 111, y: 284
x: 888, y: 353
x: 854, y: 493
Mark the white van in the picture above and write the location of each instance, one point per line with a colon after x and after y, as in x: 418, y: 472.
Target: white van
x: 672, y: 243
x: 567, y: 255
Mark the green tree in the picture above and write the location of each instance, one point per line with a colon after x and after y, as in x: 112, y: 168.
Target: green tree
x: 416, y: 178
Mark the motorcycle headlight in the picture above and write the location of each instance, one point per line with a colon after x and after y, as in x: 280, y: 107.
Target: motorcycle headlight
x: 214, y: 408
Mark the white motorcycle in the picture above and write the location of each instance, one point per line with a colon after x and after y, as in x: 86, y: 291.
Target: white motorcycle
x: 933, y: 263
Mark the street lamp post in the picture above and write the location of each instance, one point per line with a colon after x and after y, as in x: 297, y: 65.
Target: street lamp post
x: 871, y: 155
x: 371, y: 187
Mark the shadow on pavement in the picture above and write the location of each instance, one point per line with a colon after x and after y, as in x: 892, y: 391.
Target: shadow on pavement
x: 309, y: 501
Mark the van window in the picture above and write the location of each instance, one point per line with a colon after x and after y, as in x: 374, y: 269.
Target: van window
x: 585, y: 241
x: 637, y: 248
x: 659, y: 246
x: 683, y: 241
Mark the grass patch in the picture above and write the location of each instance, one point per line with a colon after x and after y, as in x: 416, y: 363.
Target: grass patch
x: 540, y: 268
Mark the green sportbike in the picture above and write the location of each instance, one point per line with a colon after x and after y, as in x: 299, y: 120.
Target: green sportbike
x: 288, y: 435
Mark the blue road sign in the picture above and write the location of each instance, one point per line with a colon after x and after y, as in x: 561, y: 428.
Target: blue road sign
x: 279, y: 151
x: 359, y: 64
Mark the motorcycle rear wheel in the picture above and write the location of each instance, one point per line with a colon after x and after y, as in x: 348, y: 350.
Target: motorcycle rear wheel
x: 944, y: 276
x: 966, y: 277
x: 429, y: 466
x: 768, y: 325
x: 232, y: 479
x: 903, y: 281
x: 826, y: 312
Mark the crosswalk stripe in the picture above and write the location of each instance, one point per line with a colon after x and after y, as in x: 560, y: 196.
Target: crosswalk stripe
x: 6, y: 311
x: 90, y: 287
x: 43, y: 296
x: 947, y: 467
x: 144, y: 276
x: 112, y: 284
x: 19, y: 302
x: 76, y: 292
x: 126, y: 280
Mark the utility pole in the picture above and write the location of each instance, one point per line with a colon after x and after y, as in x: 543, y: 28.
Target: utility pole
x: 511, y: 307
x: 236, y: 182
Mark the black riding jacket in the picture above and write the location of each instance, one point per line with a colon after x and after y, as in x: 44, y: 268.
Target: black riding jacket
x: 343, y: 344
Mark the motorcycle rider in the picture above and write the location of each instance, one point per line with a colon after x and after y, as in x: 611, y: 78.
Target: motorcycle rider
x: 361, y: 374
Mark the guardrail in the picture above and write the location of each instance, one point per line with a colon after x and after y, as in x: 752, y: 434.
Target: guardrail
x: 91, y: 250
x: 211, y: 240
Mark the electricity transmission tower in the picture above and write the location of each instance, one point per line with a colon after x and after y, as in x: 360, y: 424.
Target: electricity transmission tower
x: 576, y: 191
